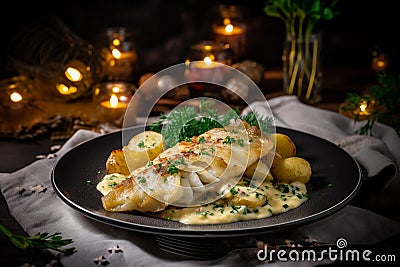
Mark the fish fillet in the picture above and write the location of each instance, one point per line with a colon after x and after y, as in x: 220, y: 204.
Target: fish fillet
x: 191, y: 172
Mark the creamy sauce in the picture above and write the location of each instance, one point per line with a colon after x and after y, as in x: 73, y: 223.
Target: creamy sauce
x: 242, y: 202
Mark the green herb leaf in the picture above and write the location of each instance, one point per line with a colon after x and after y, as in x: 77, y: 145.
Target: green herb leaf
x: 40, y: 241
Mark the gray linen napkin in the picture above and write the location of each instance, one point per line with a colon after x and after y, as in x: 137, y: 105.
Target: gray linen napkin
x: 378, y: 153
x: 43, y: 211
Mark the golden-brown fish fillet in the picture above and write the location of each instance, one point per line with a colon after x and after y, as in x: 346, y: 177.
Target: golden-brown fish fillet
x: 191, y: 173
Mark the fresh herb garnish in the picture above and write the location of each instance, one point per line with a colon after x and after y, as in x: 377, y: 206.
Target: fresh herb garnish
x: 185, y: 122
x: 40, y: 241
x: 141, y: 144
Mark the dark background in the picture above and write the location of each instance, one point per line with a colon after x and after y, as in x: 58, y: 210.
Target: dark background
x: 165, y: 29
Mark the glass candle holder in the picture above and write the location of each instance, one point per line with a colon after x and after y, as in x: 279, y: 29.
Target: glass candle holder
x: 228, y: 27
x: 15, y: 93
x: 18, y: 110
x: 118, y: 60
x: 67, y: 79
x: 202, y: 66
x: 111, y: 100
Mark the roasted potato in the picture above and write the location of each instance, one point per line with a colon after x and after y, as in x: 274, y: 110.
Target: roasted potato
x: 258, y: 170
x: 292, y: 169
x: 284, y: 145
x: 116, y: 163
x: 143, y: 148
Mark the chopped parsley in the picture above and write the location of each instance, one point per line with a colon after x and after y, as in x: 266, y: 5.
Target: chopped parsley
x: 234, y: 191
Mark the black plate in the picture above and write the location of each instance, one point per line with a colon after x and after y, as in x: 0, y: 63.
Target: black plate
x: 335, y: 180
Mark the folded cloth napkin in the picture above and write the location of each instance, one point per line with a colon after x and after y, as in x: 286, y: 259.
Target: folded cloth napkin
x: 38, y: 209
x: 378, y: 154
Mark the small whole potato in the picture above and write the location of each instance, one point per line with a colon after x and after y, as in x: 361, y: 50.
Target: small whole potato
x: 284, y: 145
x: 292, y: 169
x: 258, y: 170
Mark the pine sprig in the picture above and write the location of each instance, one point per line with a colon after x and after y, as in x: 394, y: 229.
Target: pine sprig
x: 40, y: 241
x: 386, y: 98
x: 185, y: 122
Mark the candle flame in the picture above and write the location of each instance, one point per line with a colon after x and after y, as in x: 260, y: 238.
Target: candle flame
x: 116, y: 53
x: 380, y: 63
x: 229, y: 28
x: 208, y: 60
x: 15, y: 97
x: 115, y: 89
x: 65, y: 90
x: 73, y: 74
x: 113, y: 101
x: 363, y: 107
x: 116, y: 42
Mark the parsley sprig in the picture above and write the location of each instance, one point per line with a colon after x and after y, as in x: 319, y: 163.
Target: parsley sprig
x: 185, y: 122
x: 40, y: 241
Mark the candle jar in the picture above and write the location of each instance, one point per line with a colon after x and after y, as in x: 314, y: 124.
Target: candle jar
x: 111, y: 100
x: 229, y: 28
x: 67, y: 79
x: 204, y: 70
x: 118, y: 60
x: 17, y: 109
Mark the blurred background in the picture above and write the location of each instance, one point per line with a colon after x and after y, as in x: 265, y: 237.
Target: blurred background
x: 164, y: 30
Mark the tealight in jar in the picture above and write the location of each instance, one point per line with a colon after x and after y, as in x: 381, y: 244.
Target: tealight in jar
x: 17, y: 109
x: 111, y: 100
x: 205, y: 70
x: 118, y: 60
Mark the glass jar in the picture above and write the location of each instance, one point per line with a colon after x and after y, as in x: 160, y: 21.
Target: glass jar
x: 302, y: 75
x: 228, y: 27
x: 118, y: 60
x: 204, y: 71
x: 111, y: 100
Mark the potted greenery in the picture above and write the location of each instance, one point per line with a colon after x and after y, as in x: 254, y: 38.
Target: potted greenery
x: 301, y: 53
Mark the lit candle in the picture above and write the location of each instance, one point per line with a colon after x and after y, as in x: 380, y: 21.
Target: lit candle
x: 231, y: 34
x: 75, y: 81
x: 114, y: 102
x: 118, y: 55
x: 14, y: 93
x: 364, y: 108
x: 112, y: 99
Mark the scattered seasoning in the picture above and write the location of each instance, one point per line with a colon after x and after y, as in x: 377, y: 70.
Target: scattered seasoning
x: 89, y: 182
x: 204, y: 152
x: 228, y: 140
x: 112, y: 184
x: 172, y: 169
x: 38, y: 188
x: 150, y: 163
x: 141, y: 144
x: 330, y: 185
x: 115, y: 249
x: 201, y: 140
x: 101, y: 260
x: 233, y: 191
x: 141, y: 179
x: 285, y: 206
x: 284, y: 188
x: 240, y: 142
x: 205, y: 213
x: 20, y: 190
